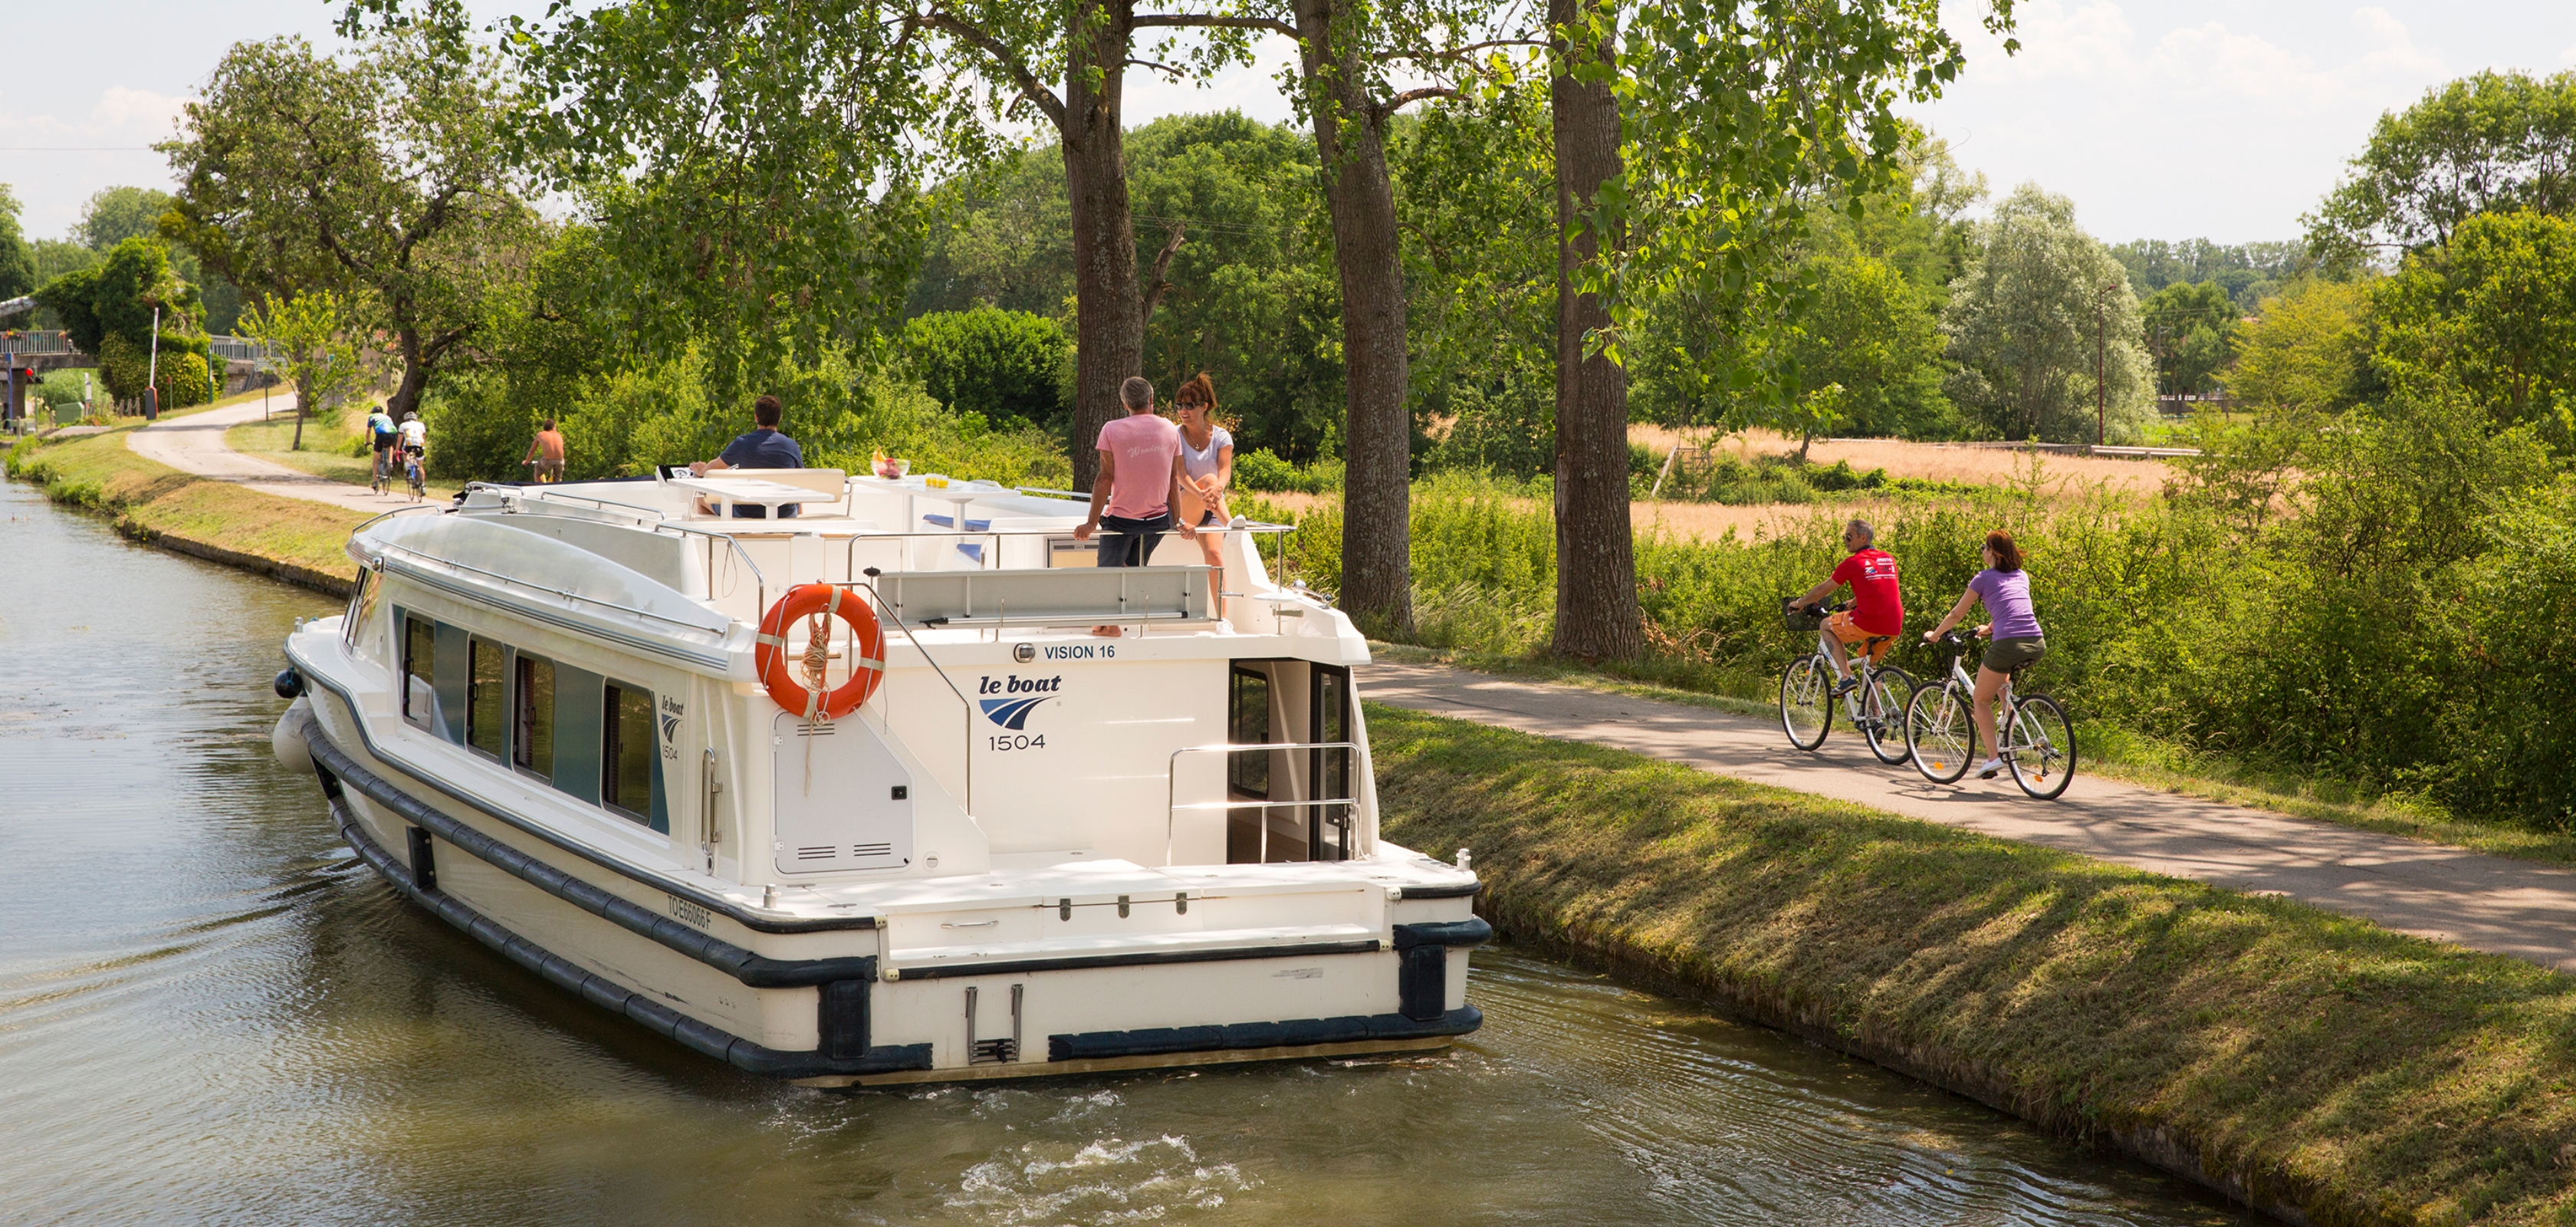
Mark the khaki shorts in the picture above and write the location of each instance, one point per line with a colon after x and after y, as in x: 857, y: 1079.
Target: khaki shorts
x: 2006, y: 655
x: 1875, y: 647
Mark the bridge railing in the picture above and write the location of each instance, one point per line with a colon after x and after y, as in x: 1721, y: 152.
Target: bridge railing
x: 30, y: 343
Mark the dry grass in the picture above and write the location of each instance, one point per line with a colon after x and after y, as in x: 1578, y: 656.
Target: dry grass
x: 1712, y: 521
x: 1983, y: 466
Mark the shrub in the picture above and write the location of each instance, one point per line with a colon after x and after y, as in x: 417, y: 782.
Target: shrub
x: 1262, y: 470
x: 1000, y: 364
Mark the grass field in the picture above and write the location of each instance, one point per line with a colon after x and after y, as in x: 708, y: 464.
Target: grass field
x: 2310, y: 1061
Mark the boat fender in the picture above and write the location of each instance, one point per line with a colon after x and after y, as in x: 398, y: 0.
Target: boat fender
x: 771, y: 659
x: 289, y: 684
x: 287, y: 739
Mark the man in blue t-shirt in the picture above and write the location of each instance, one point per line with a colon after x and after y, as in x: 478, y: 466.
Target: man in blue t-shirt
x: 763, y: 447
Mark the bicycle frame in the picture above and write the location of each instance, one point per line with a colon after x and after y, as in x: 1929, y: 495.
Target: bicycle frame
x: 1864, y: 669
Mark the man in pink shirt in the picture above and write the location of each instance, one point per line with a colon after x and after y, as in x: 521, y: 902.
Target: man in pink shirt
x: 1139, y: 484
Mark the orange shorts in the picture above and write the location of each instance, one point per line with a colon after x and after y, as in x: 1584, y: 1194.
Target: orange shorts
x: 1875, y: 647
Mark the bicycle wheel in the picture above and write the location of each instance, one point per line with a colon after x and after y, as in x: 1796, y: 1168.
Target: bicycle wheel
x: 1939, y: 733
x: 1807, y: 702
x: 1882, y: 714
x: 2042, y: 747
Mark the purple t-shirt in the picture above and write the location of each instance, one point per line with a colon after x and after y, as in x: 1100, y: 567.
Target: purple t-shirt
x: 2007, y: 598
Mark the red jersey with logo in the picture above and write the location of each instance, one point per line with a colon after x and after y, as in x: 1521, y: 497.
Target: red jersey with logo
x: 1877, y: 607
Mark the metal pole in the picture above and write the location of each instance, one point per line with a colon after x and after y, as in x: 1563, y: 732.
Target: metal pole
x: 2101, y: 393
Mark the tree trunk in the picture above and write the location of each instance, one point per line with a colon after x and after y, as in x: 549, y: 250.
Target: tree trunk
x: 1596, y: 559
x: 1377, y: 472
x: 415, y: 375
x: 1109, y: 318
x: 303, y: 405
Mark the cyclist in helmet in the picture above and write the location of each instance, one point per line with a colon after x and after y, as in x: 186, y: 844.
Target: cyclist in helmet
x: 1877, y: 615
x: 380, y: 432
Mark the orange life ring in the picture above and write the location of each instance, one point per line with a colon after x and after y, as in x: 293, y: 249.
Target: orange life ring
x: 775, y: 663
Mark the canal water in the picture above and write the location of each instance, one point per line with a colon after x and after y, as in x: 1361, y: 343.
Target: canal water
x: 211, y: 1014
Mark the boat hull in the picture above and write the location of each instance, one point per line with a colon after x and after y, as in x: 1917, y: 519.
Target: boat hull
x: 820, y: 1003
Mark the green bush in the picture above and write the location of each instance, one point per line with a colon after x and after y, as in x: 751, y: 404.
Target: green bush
x: 1260, y: 470
x: 2403, y: 632
x: 1000, y: 364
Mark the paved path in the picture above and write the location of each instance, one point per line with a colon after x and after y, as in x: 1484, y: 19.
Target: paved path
x: 2484, y: 902
x: 195, y: 444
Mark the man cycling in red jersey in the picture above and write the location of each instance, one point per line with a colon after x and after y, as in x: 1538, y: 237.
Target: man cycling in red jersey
x: 1877, y: 615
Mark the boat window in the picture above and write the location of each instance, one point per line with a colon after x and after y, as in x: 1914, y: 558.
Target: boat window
x: 362, y: 604
x: 1247, y: 772
x: 626, y: 781
x: 532, y: 740
x: 487, y: 699
x: 419, y: 668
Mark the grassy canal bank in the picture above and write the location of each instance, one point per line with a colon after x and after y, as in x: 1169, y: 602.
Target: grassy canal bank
x: 2321, y: 1068
x: 290, y: 539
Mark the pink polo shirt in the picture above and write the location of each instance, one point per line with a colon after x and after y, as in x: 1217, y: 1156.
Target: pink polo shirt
x: 1145, y: 445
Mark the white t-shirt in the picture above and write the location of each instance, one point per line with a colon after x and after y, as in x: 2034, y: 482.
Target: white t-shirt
x: 1200, y: 462
x: 414, y: 433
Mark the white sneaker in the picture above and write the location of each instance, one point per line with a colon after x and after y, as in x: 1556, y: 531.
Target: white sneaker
x: 1988, y: 769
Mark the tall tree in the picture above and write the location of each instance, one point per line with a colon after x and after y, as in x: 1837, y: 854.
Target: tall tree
x: 382, y: 179
x: 2045, y: 329
x: 1728, y: 119
x: 2490, y: 315
x: 2308, y: 351
x: 809, y: 128
x: 1596, y: 553
x: 2489, y: 141
x: 112, y: 215
x: 2191, y: 330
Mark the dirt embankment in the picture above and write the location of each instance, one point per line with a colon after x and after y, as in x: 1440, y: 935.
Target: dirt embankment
x: 2318, y: 1067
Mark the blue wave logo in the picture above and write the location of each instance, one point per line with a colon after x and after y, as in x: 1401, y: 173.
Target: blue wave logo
x: 1012, y: 714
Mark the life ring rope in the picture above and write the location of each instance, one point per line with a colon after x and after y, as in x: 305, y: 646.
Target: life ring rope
x: 771, y: 652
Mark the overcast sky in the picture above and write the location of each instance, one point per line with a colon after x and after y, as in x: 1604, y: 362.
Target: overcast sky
x: 2179, y: 119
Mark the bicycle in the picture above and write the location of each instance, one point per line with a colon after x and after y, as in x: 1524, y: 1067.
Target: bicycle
x: 380, y: 475
x: 1806, y: 691
x: 1941, y: 730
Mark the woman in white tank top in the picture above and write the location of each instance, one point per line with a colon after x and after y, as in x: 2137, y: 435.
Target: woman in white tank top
x: 1207, y: 458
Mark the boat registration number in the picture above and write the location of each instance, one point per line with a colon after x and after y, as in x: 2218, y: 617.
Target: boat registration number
x: 1018, y: 741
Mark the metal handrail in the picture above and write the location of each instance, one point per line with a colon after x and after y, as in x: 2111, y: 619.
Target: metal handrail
x: 1171, y: 790
x: 968, y: 745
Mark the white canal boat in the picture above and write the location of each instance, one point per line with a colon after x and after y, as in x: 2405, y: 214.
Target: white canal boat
x: 581, y: 723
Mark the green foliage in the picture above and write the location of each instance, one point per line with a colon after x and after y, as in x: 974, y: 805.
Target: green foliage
x: 1874, y: 282
x: 1005, y: 365
x: 1250, y: 295
x: 2490, y: 316
x: 126, y: 367
x: 17, y: 260
x: 2041, y: 305
x: 1262, y: 470
x: 2249, y: 272
x: 311, y: 337
x: 2309, y: 350
x: 381, y: 179
x: 115, y: 214
x: 623, y: 422
x: 2190, y: 333
x: 1783, y: 478
x: 2491, y: 141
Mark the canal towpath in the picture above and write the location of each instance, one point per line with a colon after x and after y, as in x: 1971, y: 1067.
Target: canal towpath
x: 195, y: 444
x: 2490, y: 903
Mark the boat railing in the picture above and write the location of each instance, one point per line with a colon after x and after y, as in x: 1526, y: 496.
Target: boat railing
x: 1171, y: 791
x: 967, y: 705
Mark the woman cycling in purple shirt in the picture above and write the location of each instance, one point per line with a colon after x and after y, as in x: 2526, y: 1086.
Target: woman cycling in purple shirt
x: 2004, y: 588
